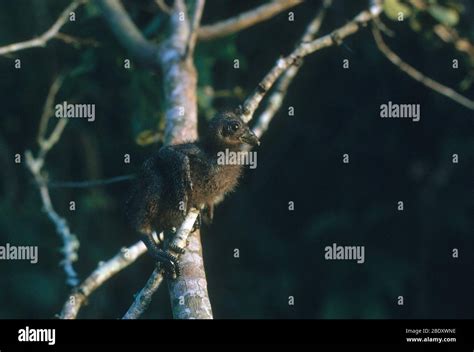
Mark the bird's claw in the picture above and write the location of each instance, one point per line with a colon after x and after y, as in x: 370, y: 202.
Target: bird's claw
x: 170, y: 264
x: 175, y: 248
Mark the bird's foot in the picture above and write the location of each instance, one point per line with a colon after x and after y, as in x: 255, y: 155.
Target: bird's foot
x: 169, y: 263
x: 175, y: 248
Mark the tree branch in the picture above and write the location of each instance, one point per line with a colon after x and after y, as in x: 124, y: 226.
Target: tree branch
x: 302, y: 50
x: 275, y: 100
x: 181, y: 126
x: 70, y: 242
x: 417, y: 75
x: 104, y: 272
x: 450, y: 35
x: 180, y: 81
x: 35, y: 165
x: 188, y: 293
x: 163, y: 7
x: 90, y: 183
x: 198, y: 10
x: 127, y: 33
x: 48, y: 110
x: 246, y: 19
x: 143, y: 298
x: 46, y: 36
x: 75, y: 41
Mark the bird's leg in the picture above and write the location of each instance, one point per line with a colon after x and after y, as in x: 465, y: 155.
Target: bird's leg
x: 208, y: 213
x: 159, y: 237
x: 197, y: 223
x: 168, y: 243
x: 166, y: 260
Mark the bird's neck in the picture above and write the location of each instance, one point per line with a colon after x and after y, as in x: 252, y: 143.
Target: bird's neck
x: 213, y: 150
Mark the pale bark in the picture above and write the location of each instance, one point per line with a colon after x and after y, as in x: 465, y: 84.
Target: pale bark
x: 180, y: 86
x: 43, y: 39
x: 104, y: 271
x: 246, y: 19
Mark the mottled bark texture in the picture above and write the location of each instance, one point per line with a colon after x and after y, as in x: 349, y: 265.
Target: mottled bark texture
x: 143, y: 298
x: 189, y: 298
x: 180, y: 84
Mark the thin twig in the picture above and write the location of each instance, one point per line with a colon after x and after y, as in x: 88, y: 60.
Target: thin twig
x: 75, y: 41
x: 69, y: 240
x: 450, y: 35
x: 46, y: 36
x: 143, y: 298
x: 417, y: 75
x: 245, y: 20
x: 48, y: 109
x: 104, y: 271
x: 302, y: 50
x: 35, y: 165
x: 163, y: 6
x: 275, y: 100
x: 198, y: 10
x: 446, y: 33
x: 90, y: 183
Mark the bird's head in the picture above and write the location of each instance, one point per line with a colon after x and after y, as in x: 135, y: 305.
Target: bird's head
x: 229, y: 131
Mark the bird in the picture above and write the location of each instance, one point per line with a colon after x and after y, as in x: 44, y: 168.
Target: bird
x: 182, y: 176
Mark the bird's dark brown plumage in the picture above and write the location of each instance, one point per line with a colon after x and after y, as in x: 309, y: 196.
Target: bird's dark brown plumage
x: 182, y: 176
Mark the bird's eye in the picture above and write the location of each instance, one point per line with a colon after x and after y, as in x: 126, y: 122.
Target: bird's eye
x: 234, y: 126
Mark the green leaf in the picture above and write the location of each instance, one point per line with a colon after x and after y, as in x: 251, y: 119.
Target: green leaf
x: 415, y: 24
x: 92, y: 10
x: 393, y: 8
x: 444, y: 15
x: 147, y: 137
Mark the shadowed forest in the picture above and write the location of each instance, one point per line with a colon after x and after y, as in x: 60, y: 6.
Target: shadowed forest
x: 335, y: 110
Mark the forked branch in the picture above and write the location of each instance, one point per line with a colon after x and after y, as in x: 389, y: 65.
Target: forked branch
x: 43, y: 39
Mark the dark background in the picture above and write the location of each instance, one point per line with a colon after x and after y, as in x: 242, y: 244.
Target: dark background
x: 407, y: 253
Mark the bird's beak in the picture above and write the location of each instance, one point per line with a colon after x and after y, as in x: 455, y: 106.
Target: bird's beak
x: 250, y: 138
